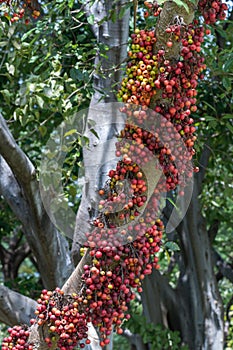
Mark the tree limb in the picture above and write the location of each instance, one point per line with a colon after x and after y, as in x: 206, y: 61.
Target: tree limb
x: 15, y: 308
x: 20, y: 188
x: 200, y: 308
x: 11, y: 191
x: 11, y: 260
x: 19, y: 163
x: 156, y: 287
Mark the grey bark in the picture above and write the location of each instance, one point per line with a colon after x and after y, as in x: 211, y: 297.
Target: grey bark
x: 20, y: 188
x: 15, y: 308
x: 115, y: 36
x: 198, y: 285
x: 194, y: 307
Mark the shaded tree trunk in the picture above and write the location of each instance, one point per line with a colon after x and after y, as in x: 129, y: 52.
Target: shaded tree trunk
x: 194, y: 307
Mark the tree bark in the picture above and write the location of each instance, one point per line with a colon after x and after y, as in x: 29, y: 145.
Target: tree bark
x: 197, y: 286
x: 115, y: 36
x: 194, y: 307
x: 20, y: 188
x: 15, y: 308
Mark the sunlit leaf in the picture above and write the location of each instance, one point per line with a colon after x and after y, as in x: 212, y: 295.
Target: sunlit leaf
x: 91, y: 20
x: 172, y: 246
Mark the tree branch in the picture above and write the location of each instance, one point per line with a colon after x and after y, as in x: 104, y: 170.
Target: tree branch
x: 200, y: 307
x: 19, y: 163
x: 15, y: 308
x: 11, y: 191
x: 20, y: 188
x: 156, y: 287
x: 72, y: 285
x: 11, y: 259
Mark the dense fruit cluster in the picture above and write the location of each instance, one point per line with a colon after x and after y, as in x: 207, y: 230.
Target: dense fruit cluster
x: 212, y: 10
x: 117, y: 268
x: 115, y: 271
x: 170, y: 89
x: 65, y: 317
x: 152, y: 9
x: 23, y: 9
x: 17, y: 339
x: 142, y: 70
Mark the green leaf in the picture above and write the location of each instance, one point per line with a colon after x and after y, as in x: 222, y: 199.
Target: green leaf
x: 113, y: 16
x: 10, y: 68
x: 28, y: 33
x: 181, y: 3
x: 123, y: 9
x: 40, y: 101
x: 227, y: 116
x: 76, y: 74
x: 227, y: 83
x: 209, y: 118
x: 6, y: 94
x: 42, y: 130
x: 16, y: 44
x: 221, y: 32
x: 72, y: 190
x: 11, y: 31
x: 172, y: 246
x: 70, y: 3
x: 172, y: 202
x: 70, y: 132
x: 228, y: 65
x: 230, y: 127
x: 91, y: 20
x: 209, y: 105
x: 33, y: 59
x: 168, y: 256
x: 94, y: 133
x: 3, y: 43
x: 215, y: 204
